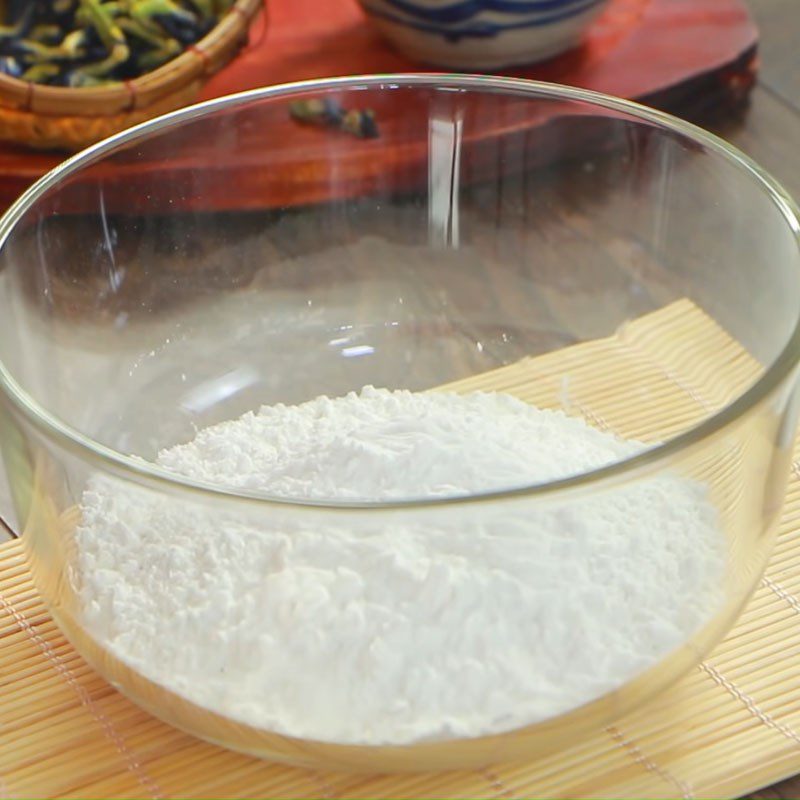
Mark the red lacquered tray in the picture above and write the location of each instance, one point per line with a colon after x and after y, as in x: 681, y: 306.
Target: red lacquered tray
x: 681, y: 55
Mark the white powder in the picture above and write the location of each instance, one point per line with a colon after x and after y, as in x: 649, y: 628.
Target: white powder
x: 358, y: 627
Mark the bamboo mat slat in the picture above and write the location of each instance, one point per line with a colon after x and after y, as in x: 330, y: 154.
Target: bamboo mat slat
x: 730, y: 726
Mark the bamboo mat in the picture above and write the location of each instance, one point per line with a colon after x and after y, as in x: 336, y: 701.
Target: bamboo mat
x: 729, y: 727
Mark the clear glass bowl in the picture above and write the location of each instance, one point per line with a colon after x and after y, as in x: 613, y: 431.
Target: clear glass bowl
x: 224, y: 256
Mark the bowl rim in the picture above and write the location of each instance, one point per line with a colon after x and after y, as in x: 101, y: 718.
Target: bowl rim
x: 150, y: 475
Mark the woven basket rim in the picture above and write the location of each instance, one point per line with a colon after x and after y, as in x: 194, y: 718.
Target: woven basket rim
x: 195, y: 62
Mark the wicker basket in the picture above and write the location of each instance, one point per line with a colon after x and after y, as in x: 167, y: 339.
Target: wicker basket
x: 56, y: 118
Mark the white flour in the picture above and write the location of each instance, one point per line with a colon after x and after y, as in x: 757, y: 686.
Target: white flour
x: 358, y: 628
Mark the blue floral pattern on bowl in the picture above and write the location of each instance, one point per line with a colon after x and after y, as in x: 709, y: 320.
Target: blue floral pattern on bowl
x: 482, y: 33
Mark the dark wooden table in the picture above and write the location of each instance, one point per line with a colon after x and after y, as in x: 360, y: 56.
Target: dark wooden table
x: 770, y: 130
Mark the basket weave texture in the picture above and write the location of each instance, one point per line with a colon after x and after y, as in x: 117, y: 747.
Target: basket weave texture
x: 51, y: 117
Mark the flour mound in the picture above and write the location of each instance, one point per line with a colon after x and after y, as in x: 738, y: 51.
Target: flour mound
x: 392, y: 628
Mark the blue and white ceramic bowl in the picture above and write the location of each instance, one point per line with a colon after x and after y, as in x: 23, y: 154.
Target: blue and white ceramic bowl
x: 482, y: 34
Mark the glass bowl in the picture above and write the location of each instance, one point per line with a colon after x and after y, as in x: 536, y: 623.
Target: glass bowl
x: 634, y: 269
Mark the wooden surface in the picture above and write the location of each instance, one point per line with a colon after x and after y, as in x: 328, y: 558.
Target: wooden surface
x: 675, y: 54
x: 770, y: 133
x: 726, y: 726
